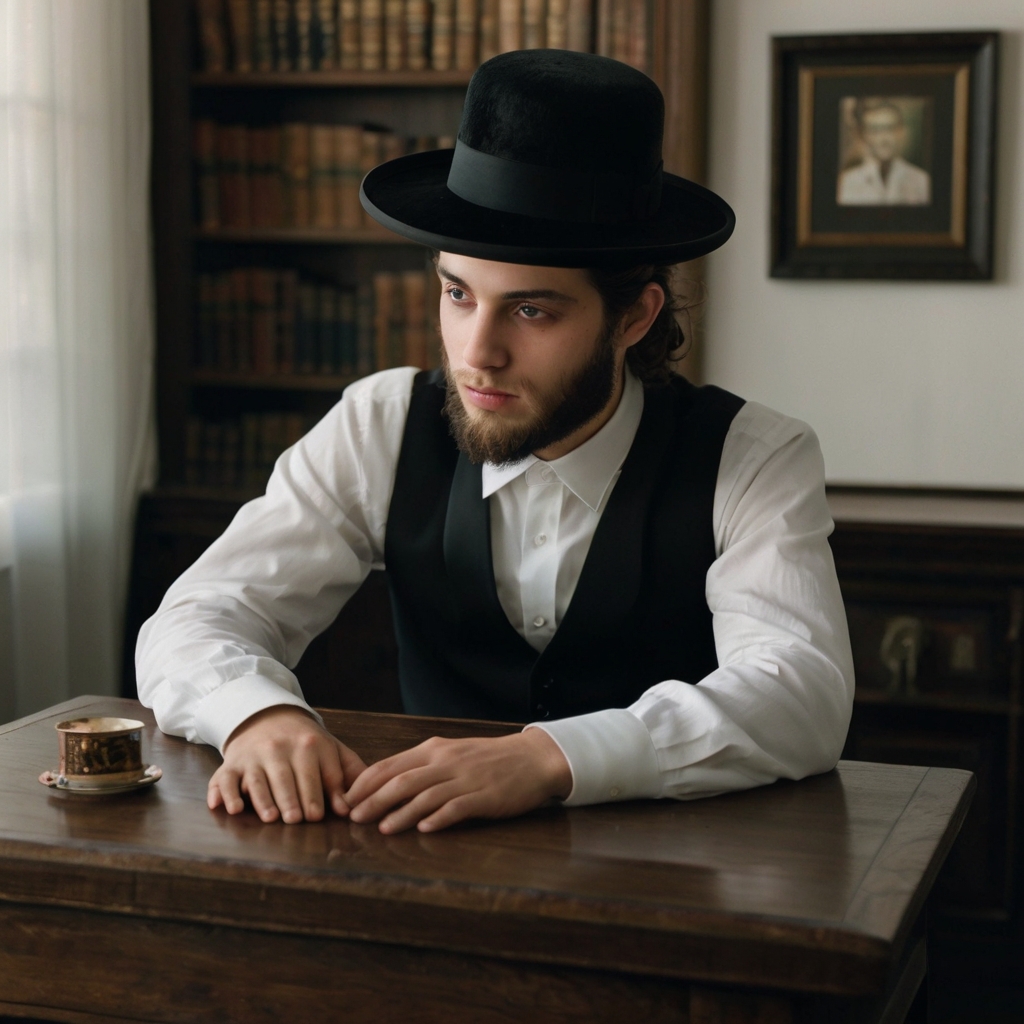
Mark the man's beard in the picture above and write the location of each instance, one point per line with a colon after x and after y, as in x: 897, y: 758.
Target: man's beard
x: 574, y: 402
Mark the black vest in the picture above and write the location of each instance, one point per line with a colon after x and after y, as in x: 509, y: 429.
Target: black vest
x: 638, y: 615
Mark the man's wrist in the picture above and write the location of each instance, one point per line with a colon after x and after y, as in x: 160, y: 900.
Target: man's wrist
x: 554, y: 766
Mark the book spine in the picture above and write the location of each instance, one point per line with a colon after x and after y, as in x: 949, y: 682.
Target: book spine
x: 241, y: 320
x: 365, y: 339
x: 558, y: 24
x: 294, y: 428
x: 231, y: 454
x: 274, y: 176
x: 287, y: 302
x: 303, y: 35
x: 306, y: 330
x: 605, y: 22
x: 296, y: 174
x: 211, y: 471
x: 204, y: 151
x: 283, y: 32
x: 232, y: 146
x: 383, y: 300
x: 510, y: 25
x: 257, y: 178
x: 193, y: 451
x: 580, y: 26
x: 620, y: 30
x: 262, y: 286
x: 349, y: 24
x: 371, y: 35
x: 414, y: 296
x: 417, y: 30
x: 326, y: 55
x: 467, y: 18
x: 347, y: 150
x: 222, y: 318
x: 239, y: 17
x: 369, y: 157
x: 263, y: 35
x: 394, y: 35
x: 348, y: 355
x: 638, y: 33
x: 204, y: 350
x: 212, y: 37
x: 327, y: 323
x: 488, y: 29
x: 323, y: 179
x: 534, y: 24
x: 441, y: 48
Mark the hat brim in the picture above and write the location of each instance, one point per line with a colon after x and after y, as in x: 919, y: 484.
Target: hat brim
x: 410, y: 196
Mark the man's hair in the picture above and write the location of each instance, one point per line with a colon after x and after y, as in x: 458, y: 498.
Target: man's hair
x: 873, y: 104
x: 652, y: 357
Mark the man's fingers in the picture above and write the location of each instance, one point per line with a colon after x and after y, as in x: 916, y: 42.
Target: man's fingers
x: 281, y: 778
x: 257, y: 787
x: 422, y: 806
x: 308, y: 773
x: 352, y: 765
x: 398, y: 790
x: 223, y: 789
x: 372, y: 779
x: 467, y: 805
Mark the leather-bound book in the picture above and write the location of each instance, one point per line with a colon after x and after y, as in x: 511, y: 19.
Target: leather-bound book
x: 417, y: 34
x: 212, y: 36
x: 204, y: 152
x: 369, y: 157
x: 349, y: 20
x: 348, y: 354
x: 233, y: 165
x: 510, y: 25
x: 621, y: 21
x: 296, y: 174
x: 325, y: 55
x: 274, y: 176
x: 284, y: 32
x: 386, y: 297
x: 241, y: 320
x: 441, y: 50
x: 322, y: 176
x: 262, y: 296
x: 558, y: 24
x: 240, y: 19
x: 371, y: 35
x: 414, y: 318
x: 467, y: 22
x: 347, y: 154
x: 605, y: 23
x: 303, y: 35
x: 580, y: 26
x: 222, y: 318
x: 365, y: 348
x: 394, y: 35
x: 534, y: 24
x: 263, y: 35
x: 488, y: 29
x: 257, y: 160
x: 636, y: 51
x: 287, y: 301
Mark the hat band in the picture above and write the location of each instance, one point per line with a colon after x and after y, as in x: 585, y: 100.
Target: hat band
x: 551, y: 193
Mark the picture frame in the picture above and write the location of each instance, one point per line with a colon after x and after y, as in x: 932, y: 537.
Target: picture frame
x: 883, y: 155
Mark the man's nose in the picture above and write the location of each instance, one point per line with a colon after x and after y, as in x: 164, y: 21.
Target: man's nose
x: 485, y: 348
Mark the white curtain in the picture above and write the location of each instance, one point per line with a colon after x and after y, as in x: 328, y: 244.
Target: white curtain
x: 76, y: 339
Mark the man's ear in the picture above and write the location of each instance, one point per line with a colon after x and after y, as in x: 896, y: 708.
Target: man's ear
x: 639, y: 319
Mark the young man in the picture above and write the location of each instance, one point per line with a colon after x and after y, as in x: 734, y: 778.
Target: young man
x: 573, y: 536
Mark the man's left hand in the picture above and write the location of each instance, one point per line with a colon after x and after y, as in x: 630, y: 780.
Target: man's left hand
x: 441, y: 782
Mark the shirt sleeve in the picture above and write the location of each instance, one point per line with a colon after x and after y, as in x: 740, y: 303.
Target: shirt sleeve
x: 222, y: 644
x: 779, y: 704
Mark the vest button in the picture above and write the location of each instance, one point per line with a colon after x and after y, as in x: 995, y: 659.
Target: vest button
x: 548, y: 683
x: 541, y: 712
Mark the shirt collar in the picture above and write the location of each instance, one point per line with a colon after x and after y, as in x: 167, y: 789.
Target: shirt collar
x: 589, y: 469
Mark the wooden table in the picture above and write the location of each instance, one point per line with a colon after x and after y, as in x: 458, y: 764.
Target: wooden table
x: 796, y: 902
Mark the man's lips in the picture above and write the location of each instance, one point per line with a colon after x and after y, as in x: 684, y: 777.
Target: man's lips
x: 488, y: 398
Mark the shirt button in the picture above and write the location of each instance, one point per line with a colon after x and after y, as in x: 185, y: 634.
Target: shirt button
x: 539, y: 621
x: 540, y: 540
x: 614, y: 791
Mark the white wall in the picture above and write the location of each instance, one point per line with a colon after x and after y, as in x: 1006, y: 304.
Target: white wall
x: 905, y: 382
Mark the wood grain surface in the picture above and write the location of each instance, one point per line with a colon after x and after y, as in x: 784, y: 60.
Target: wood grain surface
x: 808, y: 887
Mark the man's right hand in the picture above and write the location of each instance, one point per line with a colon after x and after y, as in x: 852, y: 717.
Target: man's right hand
x: 287, y: 764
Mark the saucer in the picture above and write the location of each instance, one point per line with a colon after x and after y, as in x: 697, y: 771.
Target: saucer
x: 56, y: 781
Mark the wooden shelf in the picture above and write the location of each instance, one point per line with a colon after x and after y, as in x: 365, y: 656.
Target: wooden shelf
x: 938, y: 702
x: 303, y: 236
x: 271, y: 382
x: 329, y: 79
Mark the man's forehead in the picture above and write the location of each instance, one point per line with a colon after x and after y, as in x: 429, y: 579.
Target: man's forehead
x: 494, y: 275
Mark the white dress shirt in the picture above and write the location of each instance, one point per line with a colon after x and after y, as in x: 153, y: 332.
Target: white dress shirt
x: 779, y: 704
x: 905, y: 185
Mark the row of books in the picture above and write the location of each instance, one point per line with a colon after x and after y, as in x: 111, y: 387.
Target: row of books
x: 415, y: 35
x: 295, y: 175
x: 238, y: 452
x: 266, y: 321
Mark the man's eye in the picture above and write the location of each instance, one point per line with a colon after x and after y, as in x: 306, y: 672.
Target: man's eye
x: 531, y: 312
x: 457, y: 294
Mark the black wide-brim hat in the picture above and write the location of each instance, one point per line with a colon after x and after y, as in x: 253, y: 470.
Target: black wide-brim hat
x: 557, y: 163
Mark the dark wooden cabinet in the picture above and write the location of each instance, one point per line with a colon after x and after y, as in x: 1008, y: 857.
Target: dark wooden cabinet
x: 934, y: 592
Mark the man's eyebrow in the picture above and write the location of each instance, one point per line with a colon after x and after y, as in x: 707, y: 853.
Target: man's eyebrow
x: 525, y: 293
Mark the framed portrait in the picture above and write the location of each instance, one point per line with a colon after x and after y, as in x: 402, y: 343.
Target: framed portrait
x: 883, y: 155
